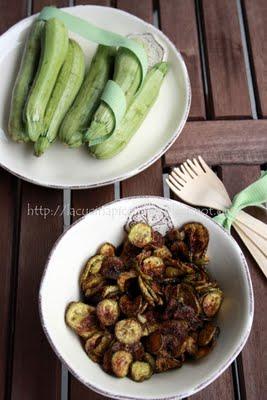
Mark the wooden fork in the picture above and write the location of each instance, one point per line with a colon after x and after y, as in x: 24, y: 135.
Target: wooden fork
x: 195, y: 183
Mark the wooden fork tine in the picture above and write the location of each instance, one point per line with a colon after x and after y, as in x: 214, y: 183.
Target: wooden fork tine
x: 188, y: 169
x: 197, y: 166
x: 177, y: 178
x: 172, y: 187
x: 192, y: 166
x: 180, y: 174
x: 176, y: 182
x: 203, y: 164
x: 186, y: 173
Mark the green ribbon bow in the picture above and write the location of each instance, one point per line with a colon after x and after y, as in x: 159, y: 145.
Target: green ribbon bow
x: 254, y: 195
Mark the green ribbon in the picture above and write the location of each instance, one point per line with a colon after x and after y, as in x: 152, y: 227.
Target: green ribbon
x: 112, y: 95
x: 254, y: 195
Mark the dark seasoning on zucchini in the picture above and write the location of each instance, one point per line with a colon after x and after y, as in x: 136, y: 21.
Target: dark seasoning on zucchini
x: 149, y: 305
x: 54, y: 97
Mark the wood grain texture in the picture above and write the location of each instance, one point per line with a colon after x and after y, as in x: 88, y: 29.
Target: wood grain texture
x: 36, y: 369
x: 252, y: 362
x: 225, y: 60
x: 39, y: 4
x: 84, y: 201
x: 178, y: 22
x: 11, y: 11
x: 221, y: 142
x: 93, y: 2
x: 255, y: 12
x: 8, y: 244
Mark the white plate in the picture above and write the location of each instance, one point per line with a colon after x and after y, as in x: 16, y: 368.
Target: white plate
x: 60, y: 167
x: 60, y: 286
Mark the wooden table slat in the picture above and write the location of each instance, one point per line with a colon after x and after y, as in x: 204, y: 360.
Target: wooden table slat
x: 36, y: 369
x: 9, y: 217
x: 225, y: 60
x: 178, y: 22
x: 253, y: 377
x: 255, y: 12
x: 221, y: 142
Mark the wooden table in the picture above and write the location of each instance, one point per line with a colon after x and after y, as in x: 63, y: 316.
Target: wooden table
x: 223, y: 43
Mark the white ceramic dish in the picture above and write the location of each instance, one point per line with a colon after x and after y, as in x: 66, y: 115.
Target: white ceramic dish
x: 60, y: 286
x: 60, y: 167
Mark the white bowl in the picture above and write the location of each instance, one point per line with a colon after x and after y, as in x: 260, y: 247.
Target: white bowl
x: 60, y: 286
x: 61, y: 167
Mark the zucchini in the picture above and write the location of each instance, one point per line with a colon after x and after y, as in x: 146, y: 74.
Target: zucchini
x: 28, y: 67
x: 127, y: 74
x: 66, y: 88
x: 135, y: 115
x: 78, y: 117
x: 53, y: 54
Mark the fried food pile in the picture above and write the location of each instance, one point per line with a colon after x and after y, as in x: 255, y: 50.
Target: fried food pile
x: 148, y: 305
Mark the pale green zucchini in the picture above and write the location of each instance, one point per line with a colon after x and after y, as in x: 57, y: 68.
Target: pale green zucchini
x: 79, y: 115
x: 127, y: 74
x: 66, y: 88
x: 135, y: 115
x: 53, y: 54
x: 25, y: 77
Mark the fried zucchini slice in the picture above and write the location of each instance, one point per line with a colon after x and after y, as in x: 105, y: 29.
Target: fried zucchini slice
x: 112, y: 267
x: 107, y: 249
x: 173, y: 235
x: 140, y: 235
x: 120, y: 362
x: 185, y: 294
x: 157, y: 240
x: 208, y: 334
x: 166, y: 363
x: 162, y: 252
x: 196, y: 238
x: 147, y: 357
x: 97, y: 344
x: 211, y: 302
x: 110, y: 291
x: 191, y: 346
x: 92, y: 266
x: 172, y: 272
x: 128, y: 331
x: 141, y: 371
x: 81, y: 318
x: 123, y: 279
x: 131, y: 307
x: 93, y: 284
x: 153, y: 266
x: 108, y: 312
x: 202, y: 352
x: 154, y: 343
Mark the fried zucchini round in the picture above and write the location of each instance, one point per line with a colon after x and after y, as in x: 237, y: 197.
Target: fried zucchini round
x: 153, y: 266
x: 211, y: 302
x: 141, y: 371
x: 166, y: 363
x: 208, y: 334
x: 92, y: 266
x: 112, y: 267
x: 196, y: 238
x: 140, y: 235
x: 107, y: 249
x: 81, y: 318
x: 162, y: 252
x: 120, y: 362
x: 128, y: 331
x: 97, y: 344
x: 108, y: 312
x: 154, y: 343
x: 124, y: 278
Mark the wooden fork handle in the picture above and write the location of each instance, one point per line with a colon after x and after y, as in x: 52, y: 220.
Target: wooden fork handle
x: 253, y: 224
x: 259, y: 257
